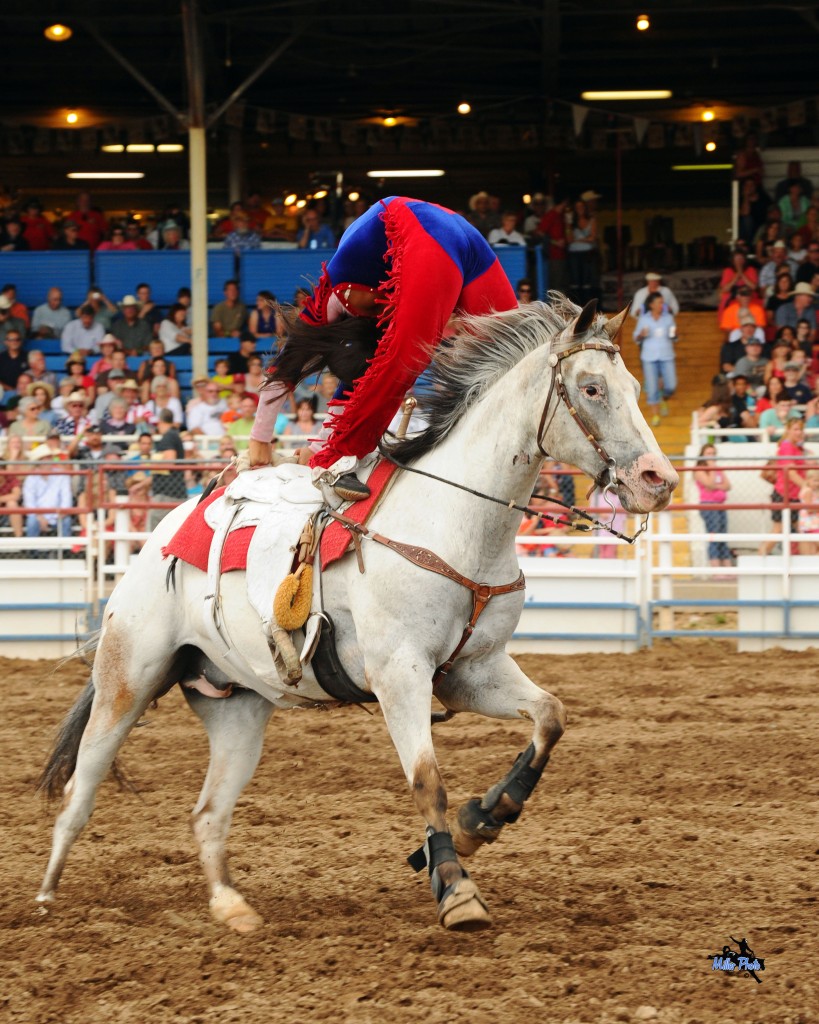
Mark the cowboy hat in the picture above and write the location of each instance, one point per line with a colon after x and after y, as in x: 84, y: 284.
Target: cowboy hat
x: 803, y: 288
x: 48, y: 388
x: 77, y: 396
x: 129, y: 383
x: 42, y: 451
x: 590, y: 195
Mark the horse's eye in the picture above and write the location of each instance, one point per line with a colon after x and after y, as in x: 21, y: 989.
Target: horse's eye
x: 591, y: 391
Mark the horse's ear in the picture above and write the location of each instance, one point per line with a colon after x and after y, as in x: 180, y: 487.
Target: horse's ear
x: 584, y: 321
x: 613, y: 326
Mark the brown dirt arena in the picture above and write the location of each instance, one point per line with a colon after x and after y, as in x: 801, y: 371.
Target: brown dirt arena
x: 680, y: 808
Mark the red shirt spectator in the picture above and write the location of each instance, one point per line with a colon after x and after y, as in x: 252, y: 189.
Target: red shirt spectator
x: 37, y: 229
x: 92, y: 226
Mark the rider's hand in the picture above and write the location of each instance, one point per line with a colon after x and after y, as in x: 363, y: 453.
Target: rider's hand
x: 259, y: 452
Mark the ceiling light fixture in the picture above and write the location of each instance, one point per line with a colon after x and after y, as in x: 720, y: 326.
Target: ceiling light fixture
x: 106, y: 174
x: 626, y: 94
x: 390, y: 122
x: 300, y: 204
x: 290, y: 199
x: 321, y: 194
x: 702, y: 167
x: 72, y: 117
x: 405, y: 174
x: 710, y: 146
x: 113, y: 147
x: 170, y: 147
x: 708, y: 114
x: 526, y: 198
x: 464, y: 108
x: 58, y: 33
x: 642, y: 22
x: 353, y: 196
x: 139, y: 147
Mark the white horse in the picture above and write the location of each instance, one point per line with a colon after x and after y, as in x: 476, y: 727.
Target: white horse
x: 511, y: 387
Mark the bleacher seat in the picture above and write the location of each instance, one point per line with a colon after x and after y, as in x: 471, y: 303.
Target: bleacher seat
x: 223, y: 346
x: 513, y: 260
x: 118, y: 273
x: 48, y: 346
x: 280, y: 272
x: 35, y: 272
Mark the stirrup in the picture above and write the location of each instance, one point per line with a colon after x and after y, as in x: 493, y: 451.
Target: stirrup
x: 350, y: 488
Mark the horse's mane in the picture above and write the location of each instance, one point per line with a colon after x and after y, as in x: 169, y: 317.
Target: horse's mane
x: 485, y: 349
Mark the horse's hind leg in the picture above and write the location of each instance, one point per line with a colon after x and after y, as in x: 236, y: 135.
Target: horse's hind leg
x: 405, y: 701
x: 497, y: 688
x: 235, y: 727
x: 122, y: 692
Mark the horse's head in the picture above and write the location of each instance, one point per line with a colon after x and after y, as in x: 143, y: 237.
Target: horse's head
x: 593, y: 419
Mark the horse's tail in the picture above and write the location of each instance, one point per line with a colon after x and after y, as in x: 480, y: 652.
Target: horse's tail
x: 63, y: 757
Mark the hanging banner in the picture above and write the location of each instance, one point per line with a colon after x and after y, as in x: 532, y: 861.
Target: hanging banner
x: 640, y: 129
x: 579, y: 115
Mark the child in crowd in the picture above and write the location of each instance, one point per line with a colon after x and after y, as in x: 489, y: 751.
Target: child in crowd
x: 809, y: 517
x: 223, y: 377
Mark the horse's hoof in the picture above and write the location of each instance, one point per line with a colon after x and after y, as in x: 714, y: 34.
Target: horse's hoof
x: 473, y: 828
x: 462, y: 909
x: 229, y: 908
x: 45, y: 899
x: 465, y: 845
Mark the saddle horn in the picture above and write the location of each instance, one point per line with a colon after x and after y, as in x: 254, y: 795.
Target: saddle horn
x: 584, y: 321
x: 614, y: 324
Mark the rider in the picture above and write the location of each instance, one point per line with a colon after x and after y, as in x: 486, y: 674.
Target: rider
x: 401, y: 270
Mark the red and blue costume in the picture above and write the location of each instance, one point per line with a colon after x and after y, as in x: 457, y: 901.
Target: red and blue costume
x: 422, y: 263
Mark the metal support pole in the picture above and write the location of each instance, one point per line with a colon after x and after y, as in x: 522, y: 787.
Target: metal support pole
x: 236, y: 165
x: 199, y: 249
x: 619, y: 243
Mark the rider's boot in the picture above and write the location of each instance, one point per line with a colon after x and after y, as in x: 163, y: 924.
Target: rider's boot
x: 340, y: 481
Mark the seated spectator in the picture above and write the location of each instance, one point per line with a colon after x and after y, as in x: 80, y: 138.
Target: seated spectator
x: 18, y: 309
x: 738, y: 274
x: 134, y: 335
x: 11, y: 236
x: 240, y: 429
x: 47, y: 488
x: 87, y: 446
x: 168, y: 485
x: 183, y: 298
x: 773, y: 267
x: 241, y: 237
x: 796, y: 390
x: 280, y: 225
x: 9, y: 322
x: 781, y: 293
x: 305, y: 424
x: 794, y: 207
x: 69, y: 240
x: 140, y: 451
x: 812, y: 410
x: 799, y: 308
x: 237, y: 361
x: 774, y: 420
x: 752, y: 364
x: 115, y: 420
x: 793, y: 177
x: 156, y: 366
x: 790, y: 478
x: 524, y: 291
x: 11, y: 486
x: 92, y: 227
x: 264, y: 321
x: 108, y: 345
x: 38, y: 230
x: 653, y: 285
x: 105, y: 312
x: 314, y: 234
x: 774, y: 390
x: 82, y: 335
x: 255, y: 374
x: 174, y: 332
x: 715, y: 411
x: 172, y: 239
x: 148, y: 309
x: 780, y: 354
x: 481, y: 215
x: 745, y: 304
x: 198, y: 384
x: 119, y: 368
x: 802, y: 341
x: 51, y: 317
x: 507, y: 233
x: 742, y: 406
x: 75, y: 419
x: 228, y: 316
x: 533, y: 215
x: 77, y: 373
x: 117, y: 242
x: 13, y: 360
x: 809, y: 517
x: 731, y: 352
x: 43, y: 392
x: 810, y: 266
x: 205, y: 417
x: 223, y: 377
x: 29, y: 425
x: 748, y: 330
x: 134, y: 235
x: 223, y: 227
x: 797, y: 253
x: 768, y: 235
x: 161, y: 398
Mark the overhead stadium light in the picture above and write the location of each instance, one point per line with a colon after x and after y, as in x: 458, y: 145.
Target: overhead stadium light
x: 170, y: 147
x: 72, y: 117
x: 702, y: 167
x: 406, y: 174
x: 113, y: 147
x: 140, y: 147
x: 464, y: 108
x: 642, y: 22
x: 58, y: 33
x: 627, y: 94
x: 106, y: 174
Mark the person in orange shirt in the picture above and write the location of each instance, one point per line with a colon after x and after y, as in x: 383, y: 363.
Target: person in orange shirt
x: 743, y: 306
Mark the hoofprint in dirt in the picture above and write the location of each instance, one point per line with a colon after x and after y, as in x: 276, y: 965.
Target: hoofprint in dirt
x: 680, y: 810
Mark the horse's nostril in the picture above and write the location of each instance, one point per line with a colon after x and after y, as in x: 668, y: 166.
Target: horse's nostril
x: 653, y: 479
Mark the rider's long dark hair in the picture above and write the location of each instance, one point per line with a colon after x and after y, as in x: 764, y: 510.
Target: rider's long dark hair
x: 344, y: 347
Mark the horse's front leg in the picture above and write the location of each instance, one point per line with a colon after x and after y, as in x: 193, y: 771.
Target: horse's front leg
x: 497, y: 688
x: 404, y: 691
